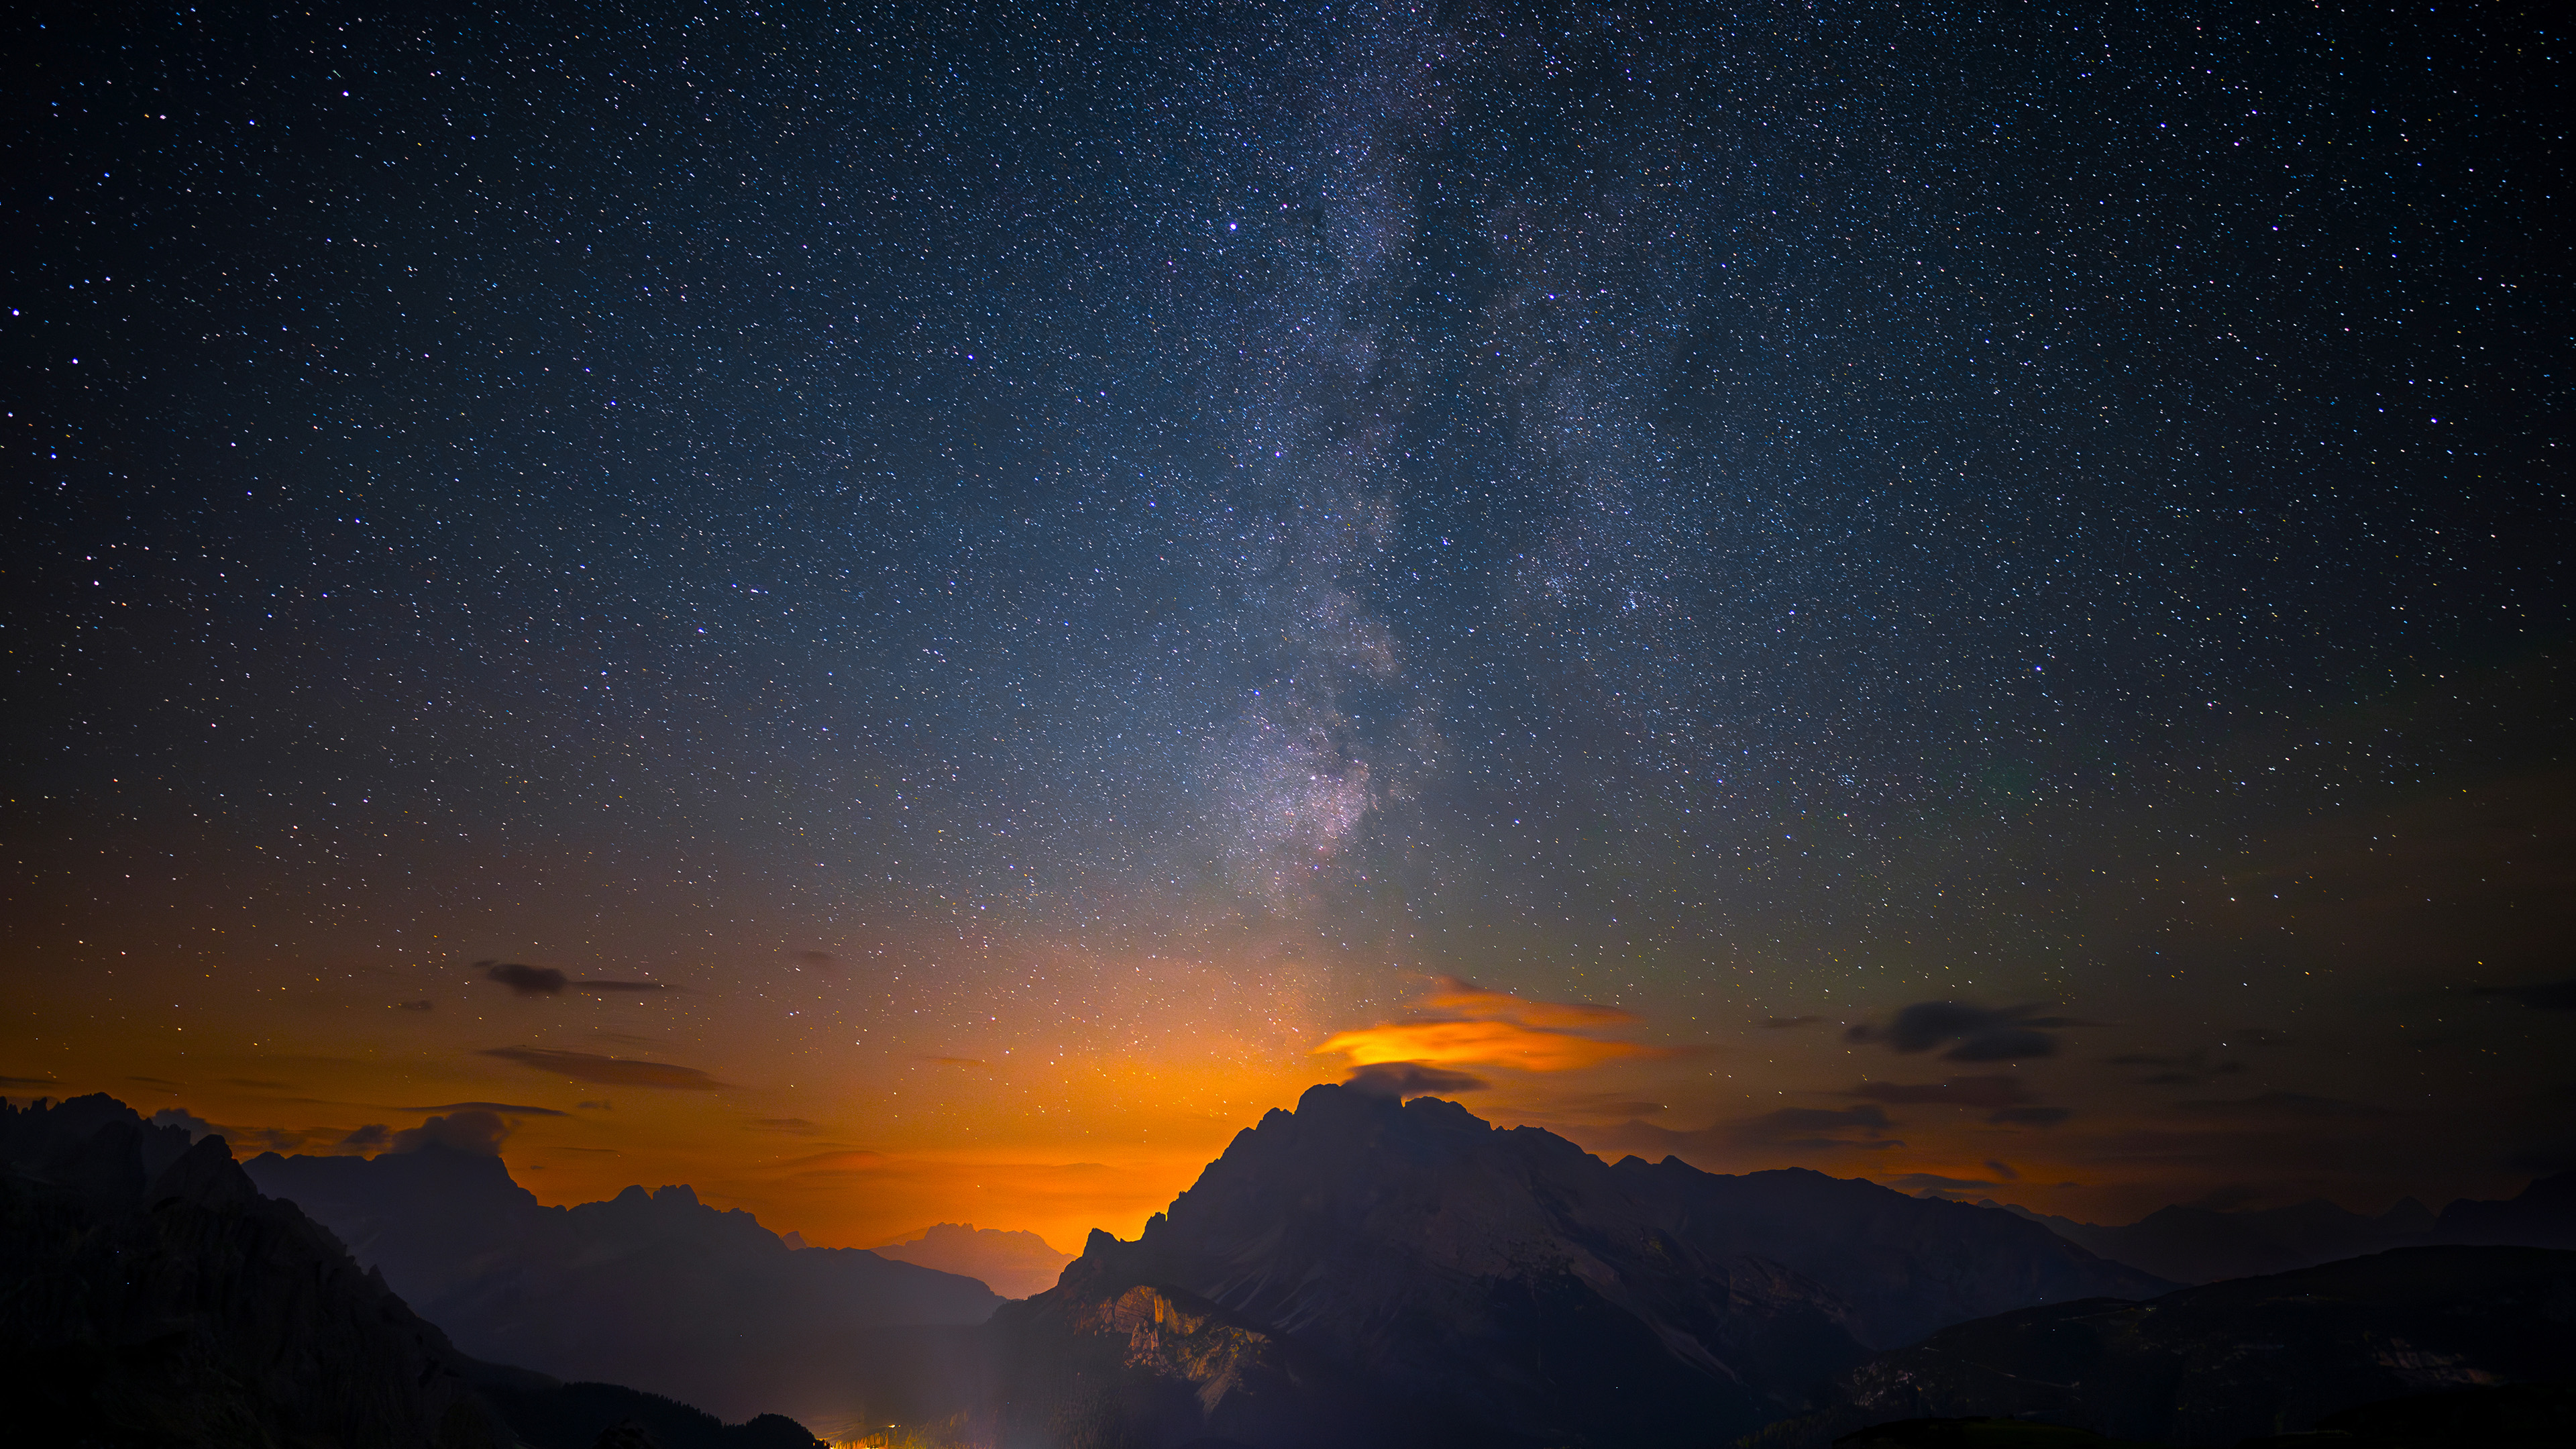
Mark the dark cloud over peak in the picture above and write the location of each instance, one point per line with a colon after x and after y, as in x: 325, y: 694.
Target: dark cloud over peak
x: 197, y: 1127
x: 1979, y: 1034
x: 373, y: 1137
x: 480, y: 1133
x: 1411, y: 1079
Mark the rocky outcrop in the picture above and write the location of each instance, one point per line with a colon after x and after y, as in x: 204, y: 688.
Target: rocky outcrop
x: 154, y: 1297
x: 1409, y: 1274
x: 647, y: 1288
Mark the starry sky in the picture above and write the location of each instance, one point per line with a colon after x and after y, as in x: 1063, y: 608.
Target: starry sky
x: 914, y: 613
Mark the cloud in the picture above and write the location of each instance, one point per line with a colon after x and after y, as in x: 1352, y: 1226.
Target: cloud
x: 1958, y: 1091
x: 198, y: 1128
x: 2001, y: 1171
x: 2546, y: 995
x: 818, y: 961
x: 2030, y: 1116
x: 414, y: 1005
x: 479, y: 1133
x: 506, y: 1109
x: 2284, y: 1106
x: 1411, y: 1079
x: 374, y: 1137
x: 592, y: 1106
x: 615, y: 1071
x: 526, y: 980
x: 1784, y: 1023
x: 1982, y: 1034
x: 156, y: 1082
x: 1466, y: 998
x: 1492, y: 1028
x: 2225, y: 1196
x: 28, y: 1082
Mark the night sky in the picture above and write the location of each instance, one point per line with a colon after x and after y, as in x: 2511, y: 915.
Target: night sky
x: 916, y: 613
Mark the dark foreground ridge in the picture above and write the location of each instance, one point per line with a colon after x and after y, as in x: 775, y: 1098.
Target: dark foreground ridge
x: 2242, y: 1360
x: 1364, y: 1272
x: 155, y: 1298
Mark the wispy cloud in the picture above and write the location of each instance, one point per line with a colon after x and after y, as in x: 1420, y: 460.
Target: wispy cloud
x: 526, y: 980
x: 1463, y: 1024
x: 616, y: 1071
x: 1973, y: 1033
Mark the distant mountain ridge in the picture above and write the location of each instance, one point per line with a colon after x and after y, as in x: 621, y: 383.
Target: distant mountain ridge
x: 2205, y: 1245
x: 1371, y: 1272
x: 655, y: 1289
x: 1013, y: 1264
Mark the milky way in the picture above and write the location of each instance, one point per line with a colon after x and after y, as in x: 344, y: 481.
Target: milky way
x: 1087, y: 526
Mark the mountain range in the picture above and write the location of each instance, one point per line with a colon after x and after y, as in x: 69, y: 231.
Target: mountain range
x: 2204, y: 1245
x: 1361, y: 1271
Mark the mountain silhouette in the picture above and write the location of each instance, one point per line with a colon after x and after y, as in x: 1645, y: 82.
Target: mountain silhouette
x: 155, y: 1298
x: 656, y: 1289
x: 2543, y: 1215
x: 2204, y: 1245
x: 1368, y: 1272
x: 1013, y: 1264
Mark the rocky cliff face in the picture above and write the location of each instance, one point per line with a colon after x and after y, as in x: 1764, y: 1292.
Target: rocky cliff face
x: 1506, y: 1287
x: 650, y: 1288
x: 155, y: 1298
